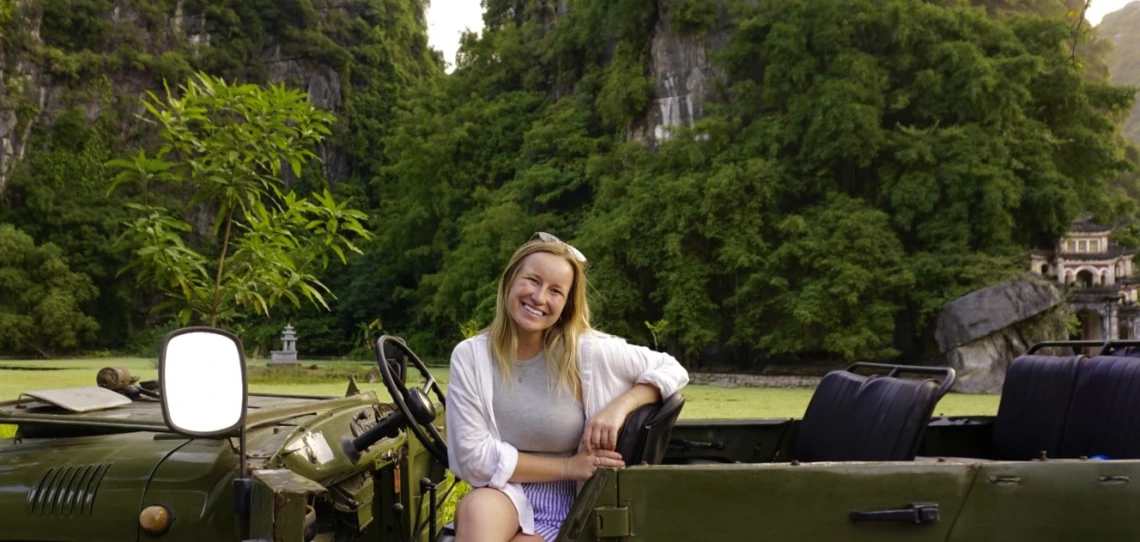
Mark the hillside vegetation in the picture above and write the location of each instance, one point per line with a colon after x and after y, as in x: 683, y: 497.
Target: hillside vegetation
x: 864, y: 163
x: 859, y: 162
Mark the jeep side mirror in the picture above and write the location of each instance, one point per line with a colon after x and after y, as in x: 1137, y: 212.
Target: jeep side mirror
x: 202, y: 374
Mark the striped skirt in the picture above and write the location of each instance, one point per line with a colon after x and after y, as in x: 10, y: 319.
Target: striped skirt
x: 551, y: 502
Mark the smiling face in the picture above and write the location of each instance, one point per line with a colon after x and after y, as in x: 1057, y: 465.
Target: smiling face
x: 539, y: 293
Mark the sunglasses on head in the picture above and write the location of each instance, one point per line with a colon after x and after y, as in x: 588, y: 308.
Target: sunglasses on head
x: 543, y: 236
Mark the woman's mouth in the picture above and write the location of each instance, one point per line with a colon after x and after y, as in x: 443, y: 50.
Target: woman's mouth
x: 533, y: 311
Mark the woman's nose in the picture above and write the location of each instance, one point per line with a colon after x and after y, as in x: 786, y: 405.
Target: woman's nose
x: 539, y: 295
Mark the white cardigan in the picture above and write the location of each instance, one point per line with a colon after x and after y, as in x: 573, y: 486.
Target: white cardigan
x: 609, y: 367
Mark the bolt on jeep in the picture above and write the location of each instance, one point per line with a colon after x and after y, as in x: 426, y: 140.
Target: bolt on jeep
x: 194, y: 457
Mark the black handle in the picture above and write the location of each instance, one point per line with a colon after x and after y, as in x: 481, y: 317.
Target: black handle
x: 683, y: 444
x: 386, y: 427
x: 918, y: 513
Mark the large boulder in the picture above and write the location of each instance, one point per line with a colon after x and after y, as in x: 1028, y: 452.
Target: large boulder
x: 982, y: 364
x: 993, y: 308
x: 980, y: 333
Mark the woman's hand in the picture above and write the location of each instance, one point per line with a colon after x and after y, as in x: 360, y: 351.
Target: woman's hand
x: 582, y: 465
x: 601, y: 432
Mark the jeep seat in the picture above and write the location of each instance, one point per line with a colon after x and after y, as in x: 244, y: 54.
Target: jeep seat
x: 645, y: 436
x: 1034, y: 404
x: 1104, y: 412
x: 853, y: 417
x: 820, y: 424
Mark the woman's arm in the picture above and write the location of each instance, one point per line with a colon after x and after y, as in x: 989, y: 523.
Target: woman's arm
x: 580, y: 466
x: 639, y: 395
x: 646, y: 376
x: 601, y: 431
x: 474, y: 454
x: 658, y: 369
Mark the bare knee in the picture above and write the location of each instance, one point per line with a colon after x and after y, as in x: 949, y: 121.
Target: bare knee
x: 481, y: 502
x: 485, y: 515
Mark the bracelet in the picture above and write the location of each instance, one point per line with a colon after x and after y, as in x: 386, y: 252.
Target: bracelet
x: 566, y: 467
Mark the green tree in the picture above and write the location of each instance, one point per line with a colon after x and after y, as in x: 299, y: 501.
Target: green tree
x: 40, y: 297
x: 485, y: 157
x: 974, y: 134
x: 834, y: 285
x: 7, y: 8
x: 228, y: 144
x: 58, y: 195
x: 863, y: 162
x: 674, y: 234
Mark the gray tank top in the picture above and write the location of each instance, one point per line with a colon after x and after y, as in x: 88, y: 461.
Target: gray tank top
x: 533, y: 414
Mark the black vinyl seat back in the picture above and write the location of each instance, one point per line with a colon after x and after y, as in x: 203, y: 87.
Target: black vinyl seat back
x: 1104, y: 412
x: 645, y: 436
x: 869, y: 418
x: 888, y: 419
x: 1034, y: 404
x: 826, y: 416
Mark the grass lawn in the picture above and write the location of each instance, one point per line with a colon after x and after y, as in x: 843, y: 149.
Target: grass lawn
x: 701, y: 401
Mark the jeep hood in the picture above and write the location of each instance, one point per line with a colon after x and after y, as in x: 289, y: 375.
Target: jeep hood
x: 87, y: 475
x: 78, y: 488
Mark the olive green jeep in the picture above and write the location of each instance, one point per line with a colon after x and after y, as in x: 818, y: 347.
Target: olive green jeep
x: 194, y: 457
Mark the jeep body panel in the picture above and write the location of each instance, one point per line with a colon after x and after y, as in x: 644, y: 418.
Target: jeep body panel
x: 786, y: 502
x: 78, y: 488
x: 87, y: 476
x: 1053, y: 500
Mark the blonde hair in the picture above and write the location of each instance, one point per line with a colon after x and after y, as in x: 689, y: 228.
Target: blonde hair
x: 560, y: 341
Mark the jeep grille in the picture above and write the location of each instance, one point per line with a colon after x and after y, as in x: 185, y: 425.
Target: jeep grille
x: 66, y: 491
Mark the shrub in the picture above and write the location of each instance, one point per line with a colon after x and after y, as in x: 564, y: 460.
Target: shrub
x: 693, y: 16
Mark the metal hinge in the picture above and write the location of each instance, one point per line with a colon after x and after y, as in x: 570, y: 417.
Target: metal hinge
x: 611, y: 522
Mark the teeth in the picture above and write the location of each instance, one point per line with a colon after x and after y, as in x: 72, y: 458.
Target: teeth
x: 533, y: 311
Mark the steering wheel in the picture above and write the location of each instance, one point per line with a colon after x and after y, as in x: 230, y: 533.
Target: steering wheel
x: 415, y: 404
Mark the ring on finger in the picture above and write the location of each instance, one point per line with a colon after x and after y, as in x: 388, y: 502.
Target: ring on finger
x: 597, y: 461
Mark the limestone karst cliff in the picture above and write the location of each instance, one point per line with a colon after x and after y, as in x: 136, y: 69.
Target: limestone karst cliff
x: 680, y: 63
x: 100, y: 57
x: 1122, y: 28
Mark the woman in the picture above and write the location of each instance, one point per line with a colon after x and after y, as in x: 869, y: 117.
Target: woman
x: 536, y: 400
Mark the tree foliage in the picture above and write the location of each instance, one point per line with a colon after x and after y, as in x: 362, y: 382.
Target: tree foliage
x: 7, y: 8
x: 359, y: 58
x: 227, y: 143
x: 40, y: 297
x: 868, y: 162
x: 861, y: 163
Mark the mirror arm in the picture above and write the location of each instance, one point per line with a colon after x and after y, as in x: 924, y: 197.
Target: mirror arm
x: 243, y: 469
x: 243, y: 484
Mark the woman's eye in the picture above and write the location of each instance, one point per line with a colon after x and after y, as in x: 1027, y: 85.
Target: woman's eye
x: 532, y: 280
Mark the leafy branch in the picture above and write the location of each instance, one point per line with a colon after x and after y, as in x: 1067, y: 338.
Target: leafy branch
x: 229, y: 144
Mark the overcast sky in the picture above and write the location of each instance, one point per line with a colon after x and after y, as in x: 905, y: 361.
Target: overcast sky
x: 1097, y: 10
x: 447, y: 18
